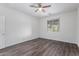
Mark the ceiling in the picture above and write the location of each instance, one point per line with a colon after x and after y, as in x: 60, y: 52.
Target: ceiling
x: 55, y: 8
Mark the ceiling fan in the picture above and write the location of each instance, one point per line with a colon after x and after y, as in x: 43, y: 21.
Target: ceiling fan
x: 40, y: 7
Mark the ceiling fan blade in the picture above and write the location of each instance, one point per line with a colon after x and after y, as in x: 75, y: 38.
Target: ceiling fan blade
x: 39, y: 4
x: 33, y: 6
x: 36, y: 10
x: 46, y: 6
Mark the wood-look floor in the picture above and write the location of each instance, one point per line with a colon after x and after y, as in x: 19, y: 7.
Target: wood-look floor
x: 41, y: 47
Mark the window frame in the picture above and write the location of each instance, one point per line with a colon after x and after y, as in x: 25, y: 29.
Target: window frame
x: 52, y: 23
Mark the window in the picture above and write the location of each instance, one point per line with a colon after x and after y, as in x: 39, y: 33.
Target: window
x: 53, y: 25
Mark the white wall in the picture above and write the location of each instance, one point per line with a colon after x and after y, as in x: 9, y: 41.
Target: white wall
x: 78, y: 26
x: 68, y: 27
x: 35, y: 28
x: 18, y: 26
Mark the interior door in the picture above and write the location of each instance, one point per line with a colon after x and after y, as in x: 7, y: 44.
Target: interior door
x: 2, y: 32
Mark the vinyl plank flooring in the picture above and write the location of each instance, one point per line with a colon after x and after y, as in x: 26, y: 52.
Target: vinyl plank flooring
x: 41, y: 47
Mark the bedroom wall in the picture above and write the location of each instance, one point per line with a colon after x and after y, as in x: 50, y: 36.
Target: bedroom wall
x: 78, y: 26
x: 18, y: 26
x: 35, y: 28
x: 67, y: 32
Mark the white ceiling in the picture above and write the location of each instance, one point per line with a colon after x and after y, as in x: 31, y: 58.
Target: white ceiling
x: 56, y: 8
